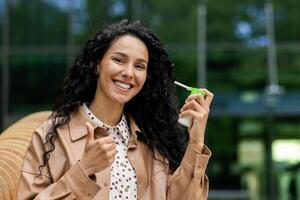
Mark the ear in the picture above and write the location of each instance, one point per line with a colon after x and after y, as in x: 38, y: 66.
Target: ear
x: 97, y: 70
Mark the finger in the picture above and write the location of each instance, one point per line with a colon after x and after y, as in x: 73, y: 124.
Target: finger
x: 208, y: 96
x: 196, y: 97
x: 111, y: 154
x: 199, y: 98
x: 202, y: 112
x: 106, y: 140
x: 90, y: 131
x: 203, y: 103
x: 194, y: 105
x: 112, y: 157
x: 109, y: 147
x: 195, y: 115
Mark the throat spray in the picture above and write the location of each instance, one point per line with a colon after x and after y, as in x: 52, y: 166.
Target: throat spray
x: 187, y: 120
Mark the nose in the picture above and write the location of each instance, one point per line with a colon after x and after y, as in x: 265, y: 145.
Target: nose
x: 127, y: 71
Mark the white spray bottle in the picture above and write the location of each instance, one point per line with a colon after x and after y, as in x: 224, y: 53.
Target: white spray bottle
x: 187, y: 121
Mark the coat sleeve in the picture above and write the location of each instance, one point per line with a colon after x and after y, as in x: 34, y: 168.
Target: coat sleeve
x: 189, y: 181
x: 74, y: 184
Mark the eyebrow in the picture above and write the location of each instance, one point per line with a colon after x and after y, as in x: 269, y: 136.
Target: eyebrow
x: 126, y: 56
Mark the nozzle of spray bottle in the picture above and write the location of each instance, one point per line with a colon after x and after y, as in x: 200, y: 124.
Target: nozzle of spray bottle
x: 187, y: 121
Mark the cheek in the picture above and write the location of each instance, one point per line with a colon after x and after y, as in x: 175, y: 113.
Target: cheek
x: 101, y: 82
x: 142, y: 79
x: 142, y: 83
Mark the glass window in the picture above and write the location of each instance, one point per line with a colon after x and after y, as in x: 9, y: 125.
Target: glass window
x: 235, y: 71
x: 43, y: 22
x: 289, y: 68
x: 34, y: 81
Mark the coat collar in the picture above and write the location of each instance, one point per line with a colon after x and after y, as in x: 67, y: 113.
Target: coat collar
x: 77, y: 127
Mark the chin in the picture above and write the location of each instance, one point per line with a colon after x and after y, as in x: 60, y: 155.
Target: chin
x: 121, y: 100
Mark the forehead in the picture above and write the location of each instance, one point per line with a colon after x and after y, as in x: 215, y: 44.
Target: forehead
x: 129, y: 44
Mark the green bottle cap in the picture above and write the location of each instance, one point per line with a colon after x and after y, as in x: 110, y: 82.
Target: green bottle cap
x: 192, y: 89
x: 196, y: 91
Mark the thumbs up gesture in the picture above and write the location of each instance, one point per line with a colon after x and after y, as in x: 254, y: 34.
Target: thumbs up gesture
x: 98, y: 153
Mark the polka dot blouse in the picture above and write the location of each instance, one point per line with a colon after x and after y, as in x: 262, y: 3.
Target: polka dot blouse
x: 123, y: 176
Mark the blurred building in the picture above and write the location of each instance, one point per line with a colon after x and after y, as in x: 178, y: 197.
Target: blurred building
x: 40, y: 38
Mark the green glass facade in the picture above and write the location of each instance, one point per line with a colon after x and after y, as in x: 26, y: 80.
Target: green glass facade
x: 40, y: 38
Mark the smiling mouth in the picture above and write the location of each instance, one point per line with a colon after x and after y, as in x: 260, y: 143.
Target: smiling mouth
x: 123, y: 85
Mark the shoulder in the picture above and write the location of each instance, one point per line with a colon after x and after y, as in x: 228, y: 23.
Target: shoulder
x: 45, y: 127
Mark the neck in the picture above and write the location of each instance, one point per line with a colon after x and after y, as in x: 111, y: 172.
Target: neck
x: 108, y: 112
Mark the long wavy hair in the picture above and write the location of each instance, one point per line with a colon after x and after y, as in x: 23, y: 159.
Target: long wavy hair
x: 154, y: 108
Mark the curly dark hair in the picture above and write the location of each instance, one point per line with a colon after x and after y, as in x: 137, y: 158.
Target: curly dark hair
x: 154, y: 108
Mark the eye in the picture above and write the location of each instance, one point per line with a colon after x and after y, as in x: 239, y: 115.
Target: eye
x: 119, y: 60
x: 140, y: 67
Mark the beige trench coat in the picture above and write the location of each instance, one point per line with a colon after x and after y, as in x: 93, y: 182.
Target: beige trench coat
x: 64, y: 178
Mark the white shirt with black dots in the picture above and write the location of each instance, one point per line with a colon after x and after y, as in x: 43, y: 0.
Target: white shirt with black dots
x: 123, y: 184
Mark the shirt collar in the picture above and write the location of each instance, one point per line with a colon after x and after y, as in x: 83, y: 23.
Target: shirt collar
x: 122, y: 125
x: 98, y: 122
x: 77, y: 127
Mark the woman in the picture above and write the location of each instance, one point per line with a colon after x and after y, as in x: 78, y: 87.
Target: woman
x: 113, y: 133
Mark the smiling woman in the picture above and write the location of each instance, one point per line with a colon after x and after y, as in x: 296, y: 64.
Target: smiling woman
x: 123, y: 71
x: 113, y: 132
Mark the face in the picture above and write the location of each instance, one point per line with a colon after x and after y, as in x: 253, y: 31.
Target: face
x: 122, y: 70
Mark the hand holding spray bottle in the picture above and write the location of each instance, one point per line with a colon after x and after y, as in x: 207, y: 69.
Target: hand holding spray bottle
x: 187, y: 121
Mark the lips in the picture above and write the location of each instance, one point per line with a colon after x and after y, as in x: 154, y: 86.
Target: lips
x: 123, y: 85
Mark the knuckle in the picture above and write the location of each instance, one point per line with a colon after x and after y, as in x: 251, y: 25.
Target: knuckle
x: 89, y: 144
x: 107, y: 156
x: 194, y: 102
x: 100, y: 142
x: 102, y: 148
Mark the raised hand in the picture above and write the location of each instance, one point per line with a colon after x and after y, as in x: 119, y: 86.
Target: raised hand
x: 197, y: 107
x: 98, y: 153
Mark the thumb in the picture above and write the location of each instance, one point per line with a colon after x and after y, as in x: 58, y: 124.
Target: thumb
x: 90, y: 131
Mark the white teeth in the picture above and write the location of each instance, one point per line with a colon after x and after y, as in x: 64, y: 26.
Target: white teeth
x: 122, y: 85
